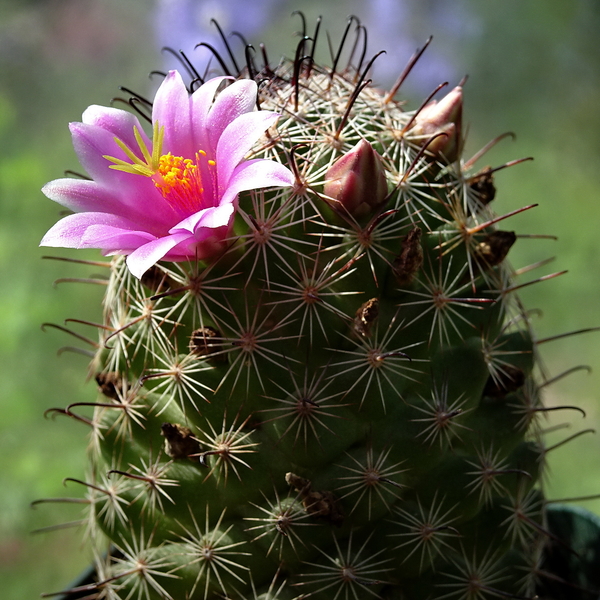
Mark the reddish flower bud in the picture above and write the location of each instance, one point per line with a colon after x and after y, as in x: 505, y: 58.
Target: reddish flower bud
x: 355, y: 184
x: 444, y: 116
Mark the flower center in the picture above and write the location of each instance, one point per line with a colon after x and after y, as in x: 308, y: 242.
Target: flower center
x: 178, y: 179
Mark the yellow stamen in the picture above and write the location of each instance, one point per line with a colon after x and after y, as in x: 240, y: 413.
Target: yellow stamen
x: 177, y: 175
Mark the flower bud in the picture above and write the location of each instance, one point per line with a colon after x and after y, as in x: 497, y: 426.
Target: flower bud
x: 355, y: 184
x: 444, y: 116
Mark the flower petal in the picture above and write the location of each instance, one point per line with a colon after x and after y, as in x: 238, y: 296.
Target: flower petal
x: 237, y: 99
x: 80, y: 195
x: 201, y: 102
x: 92, y: 143
x: 91, y: 230
x: 130, y: 202
x: 211, y: 218
x: 256, y: 174
x: 171, y: 109
x: 114, y: 240
x: 237, y: 140
x: 118, y: 122
x: 140, y: 260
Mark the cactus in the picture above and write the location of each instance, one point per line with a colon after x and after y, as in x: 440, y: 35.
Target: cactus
x: 316, y: 378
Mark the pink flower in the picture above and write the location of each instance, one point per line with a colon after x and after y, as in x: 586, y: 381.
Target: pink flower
x: 172, y: 198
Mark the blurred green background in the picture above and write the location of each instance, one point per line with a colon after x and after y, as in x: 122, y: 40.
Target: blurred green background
x: 534, y: 68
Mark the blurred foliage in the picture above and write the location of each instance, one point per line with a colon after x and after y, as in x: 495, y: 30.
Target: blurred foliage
x: 534, y: 68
